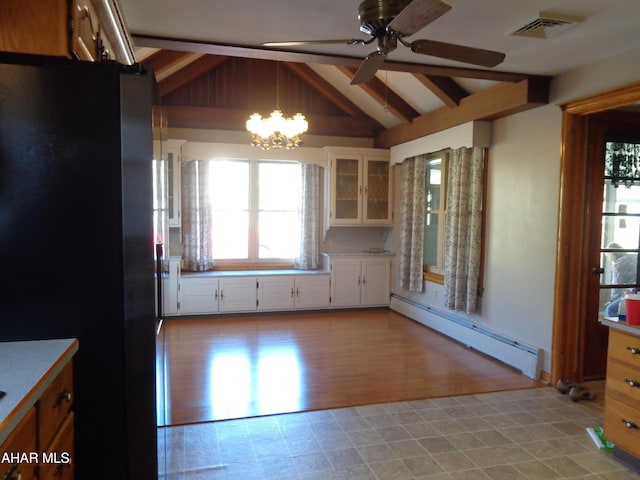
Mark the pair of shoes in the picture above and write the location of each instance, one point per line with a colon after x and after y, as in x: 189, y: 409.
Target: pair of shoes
x: 564, y: 386
x: 581, y: 393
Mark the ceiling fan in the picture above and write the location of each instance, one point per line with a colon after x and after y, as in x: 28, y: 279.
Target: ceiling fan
x: 391, y: 21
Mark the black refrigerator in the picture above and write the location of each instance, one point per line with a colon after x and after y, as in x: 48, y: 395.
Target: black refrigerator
x: 76, y: 244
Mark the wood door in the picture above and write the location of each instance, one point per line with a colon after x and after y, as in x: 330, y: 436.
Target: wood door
x: 613, y: 233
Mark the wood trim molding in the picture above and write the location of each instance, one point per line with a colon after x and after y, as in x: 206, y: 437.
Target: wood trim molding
x: 307, y: 57
x: 568, y: 305
x: 385, y: 96
x: 210, y: 118
x: 496, y: 102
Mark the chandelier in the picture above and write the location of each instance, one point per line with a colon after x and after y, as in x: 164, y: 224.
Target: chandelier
x: 276, y: 131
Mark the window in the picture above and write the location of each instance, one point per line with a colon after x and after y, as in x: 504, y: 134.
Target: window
x: 434, y: 194
x: 255, y: 211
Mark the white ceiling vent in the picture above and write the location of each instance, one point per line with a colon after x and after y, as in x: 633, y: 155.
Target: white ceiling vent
x: 547, y: 25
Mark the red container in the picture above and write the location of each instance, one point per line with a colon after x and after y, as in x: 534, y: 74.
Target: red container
x: 633, y: 309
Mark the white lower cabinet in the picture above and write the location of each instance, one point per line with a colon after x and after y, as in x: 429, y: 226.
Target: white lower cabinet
x: 360, y: 281
x: 287, y: 292
x: 202, y: 295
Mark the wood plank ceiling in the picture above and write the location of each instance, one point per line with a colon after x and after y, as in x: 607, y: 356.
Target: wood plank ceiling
x: 216, y: 91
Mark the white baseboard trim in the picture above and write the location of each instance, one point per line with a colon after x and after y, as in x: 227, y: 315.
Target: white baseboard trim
x: 522, y: 357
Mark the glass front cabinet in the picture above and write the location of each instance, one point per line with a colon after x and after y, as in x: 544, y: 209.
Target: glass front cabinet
x: 359, y: 188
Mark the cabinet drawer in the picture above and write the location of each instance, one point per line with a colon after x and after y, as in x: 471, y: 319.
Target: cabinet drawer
x: 20, y: 450
x: 56, y: 461
x: 623, y: 379
x: 54, y: 405
x: 624, y: 347
x: 622, y: 425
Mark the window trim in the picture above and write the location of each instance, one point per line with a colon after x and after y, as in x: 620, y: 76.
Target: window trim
x: 253, y: 262
x: 428, y: 273
x: 439, y: 278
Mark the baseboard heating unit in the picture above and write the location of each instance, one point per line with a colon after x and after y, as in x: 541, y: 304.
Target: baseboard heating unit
x: 522, y: 357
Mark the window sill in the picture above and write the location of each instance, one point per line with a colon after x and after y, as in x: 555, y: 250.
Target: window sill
x: 433, y: 277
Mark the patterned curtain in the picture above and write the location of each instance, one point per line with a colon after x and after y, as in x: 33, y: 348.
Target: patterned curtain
x: 309, y: 218
x: 412, y: 210
x: 196, y: 217
x: 463, y: 227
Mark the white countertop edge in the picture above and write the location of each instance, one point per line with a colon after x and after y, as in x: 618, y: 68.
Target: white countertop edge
x: 623, y: 326
x: 28, y: 368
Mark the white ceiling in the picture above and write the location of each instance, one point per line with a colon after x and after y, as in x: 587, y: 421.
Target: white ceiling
x: 609, y: 27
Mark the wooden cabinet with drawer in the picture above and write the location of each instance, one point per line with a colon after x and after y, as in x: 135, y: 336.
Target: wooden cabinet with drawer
x: 18, y: 453
x: 622, y: 401
x: 79, y: 29
x: 55, y: 427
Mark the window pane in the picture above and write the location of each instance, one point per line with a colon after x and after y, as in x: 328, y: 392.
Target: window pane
x: 432, y: 186
x: 279, y: 235
x: 279, y: 186
x: 230, y: 234
x: 430, y: 243
x: 229, y: 185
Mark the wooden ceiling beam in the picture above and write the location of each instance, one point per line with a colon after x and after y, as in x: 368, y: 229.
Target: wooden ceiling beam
x: 323, y: 59
x: 386, y: 97
x: 166, y: 59
x: 235, y: 119
x: 445, y: 88
x: 189, y: 73
x: 332, y: 94
x: 495, y: 102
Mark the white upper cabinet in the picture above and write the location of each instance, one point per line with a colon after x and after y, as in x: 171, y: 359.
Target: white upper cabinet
x: 359, y: 188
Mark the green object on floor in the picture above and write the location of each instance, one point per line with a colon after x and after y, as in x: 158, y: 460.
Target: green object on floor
x: 597, y: 435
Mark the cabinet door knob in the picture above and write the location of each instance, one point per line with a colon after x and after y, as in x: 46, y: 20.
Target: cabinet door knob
x: 633, y: 350
x: 629, y: 424
x: 632, y: 383
x: 63, y: 396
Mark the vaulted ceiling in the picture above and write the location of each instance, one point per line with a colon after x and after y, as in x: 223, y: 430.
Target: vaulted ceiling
x: 213, y: 71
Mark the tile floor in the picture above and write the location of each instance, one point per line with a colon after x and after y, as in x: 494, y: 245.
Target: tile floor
x: 524, y: 434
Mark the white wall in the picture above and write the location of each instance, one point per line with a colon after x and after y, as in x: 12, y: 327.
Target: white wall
x: 522, y: 211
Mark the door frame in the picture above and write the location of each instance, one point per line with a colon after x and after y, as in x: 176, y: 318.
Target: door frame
x: 572, y: 267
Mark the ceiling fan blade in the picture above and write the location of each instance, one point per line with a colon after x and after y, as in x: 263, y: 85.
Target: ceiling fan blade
x: 350, y: 41
x: 475, y: 56
x: 417, y: 15
x: 368, y: 68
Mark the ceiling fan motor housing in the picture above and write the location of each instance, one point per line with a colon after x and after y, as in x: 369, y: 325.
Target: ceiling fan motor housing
x: 375, y: 15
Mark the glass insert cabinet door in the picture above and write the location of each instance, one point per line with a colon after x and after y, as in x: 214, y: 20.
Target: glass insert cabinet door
x: 376, y: 191
x: 348, y: 190
x: 360, y: 190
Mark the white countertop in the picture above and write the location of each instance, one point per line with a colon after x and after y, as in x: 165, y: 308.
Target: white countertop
x: 252, y: 273
x: 26, y: 370
x: 623, y: 326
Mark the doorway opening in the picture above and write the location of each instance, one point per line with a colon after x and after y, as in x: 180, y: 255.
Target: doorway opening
x: 585, y: 125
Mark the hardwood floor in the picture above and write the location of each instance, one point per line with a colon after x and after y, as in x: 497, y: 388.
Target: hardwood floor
x: 242, y: 366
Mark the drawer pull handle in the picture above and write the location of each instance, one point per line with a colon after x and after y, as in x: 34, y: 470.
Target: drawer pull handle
x: 63, y: 396
x: 632, y: 383
x: 629, y: 424
x: 634, y: 350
